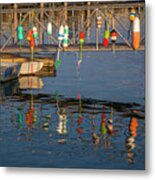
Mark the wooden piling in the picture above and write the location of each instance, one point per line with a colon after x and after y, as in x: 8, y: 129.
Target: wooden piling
x: 41, y: 20
x: 73, y: 26
x: 15, y: 23
x: 65, y: 12
x: 88, y: 20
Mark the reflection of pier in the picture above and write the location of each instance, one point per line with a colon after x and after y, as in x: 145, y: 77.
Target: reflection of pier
x: 79, y: 16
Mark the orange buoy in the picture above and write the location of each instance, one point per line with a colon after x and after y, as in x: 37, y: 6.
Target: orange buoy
x: 29, y: 35
x: 136, y: 33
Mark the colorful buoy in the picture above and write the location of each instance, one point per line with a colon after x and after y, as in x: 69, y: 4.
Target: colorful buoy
x: 29, y: 35
x: 66, y: 34
x: 132, y: 15
x: 99, y: 22
x: 106, y: 38
x: 61, y: 33
x: 136, y: 33
x: 49, y: 28
x: 81, y: 41
x: 113, y: 36
x: 35, y: 32
x: 20, y: 32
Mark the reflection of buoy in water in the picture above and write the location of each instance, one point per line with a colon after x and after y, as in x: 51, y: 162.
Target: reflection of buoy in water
x: 80, y: 120
x: 96, y: 138
x: 49, y: 28
x: 131, y: 139
x: 79, y: 130
x: 103, y: 128
x: 136, y: 33
x: 110, y: 127
x: 133, y: 126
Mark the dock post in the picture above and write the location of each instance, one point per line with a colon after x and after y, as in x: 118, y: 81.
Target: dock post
x: 41, y: 20
x: 97, y: 31
x: 88, y: 20
x: 113, y: 27
x: 65, y: 11
x: 73, y: 26
x: 0, y: 23
x: 15, y: 23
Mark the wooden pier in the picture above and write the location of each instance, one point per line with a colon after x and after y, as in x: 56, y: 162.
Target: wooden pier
x: 78, y: 16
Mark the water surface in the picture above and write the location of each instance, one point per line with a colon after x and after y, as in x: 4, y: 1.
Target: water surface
x: 91, y: 118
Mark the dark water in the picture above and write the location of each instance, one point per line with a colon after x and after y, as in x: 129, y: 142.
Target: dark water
x: 88, y: 119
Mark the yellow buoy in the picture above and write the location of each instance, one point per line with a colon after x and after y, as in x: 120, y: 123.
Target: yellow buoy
x: 132, y: 15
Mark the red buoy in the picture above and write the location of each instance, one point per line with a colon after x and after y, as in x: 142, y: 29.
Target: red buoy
x: 81, y: 36
x: 113, y: 36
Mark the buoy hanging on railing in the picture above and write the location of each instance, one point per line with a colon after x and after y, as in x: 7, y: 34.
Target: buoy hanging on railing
x: 132, y: 15
x: 136, y: 33
x: 81, y: 38
x: 35, y: 35
x: 35, y: 32
x: 99, y: 22
x: 60, y: 38
x: 20, y: 33
x: 81, y: 41
x: 31, y: 39
x: 61, y: 33
x: 49, y: 28
x: 113, y: 36
x: 66, y: 34
x: 106, y: 38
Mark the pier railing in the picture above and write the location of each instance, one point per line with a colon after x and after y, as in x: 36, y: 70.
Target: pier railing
x: 78, y: 16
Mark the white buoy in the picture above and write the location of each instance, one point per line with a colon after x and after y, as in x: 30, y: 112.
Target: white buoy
x: 35, y: 32
x: 61, y: 33
x: 136, y: 33
x: 49, y: 28
x: 66, y: 34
